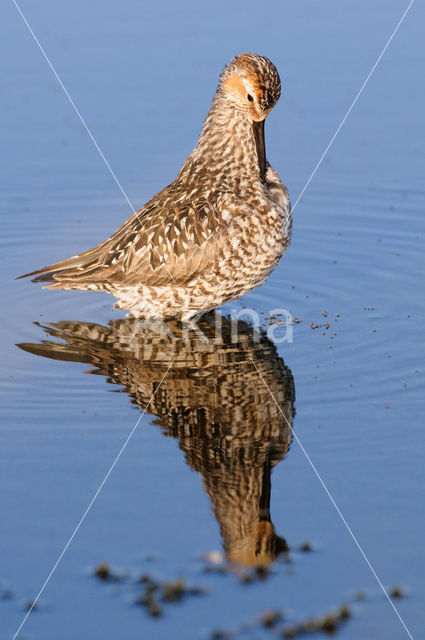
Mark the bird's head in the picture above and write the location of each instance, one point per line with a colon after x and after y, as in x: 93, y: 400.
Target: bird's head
x: 252, y: 83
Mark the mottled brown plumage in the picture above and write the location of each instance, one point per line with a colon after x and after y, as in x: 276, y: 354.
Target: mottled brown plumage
x: 212, y: 400
x: 213, y: 234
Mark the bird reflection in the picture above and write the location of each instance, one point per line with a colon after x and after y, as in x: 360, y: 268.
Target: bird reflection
x: 231, y: 427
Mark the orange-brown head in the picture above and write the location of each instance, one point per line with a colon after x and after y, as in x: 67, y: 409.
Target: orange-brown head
x: 252, y: 83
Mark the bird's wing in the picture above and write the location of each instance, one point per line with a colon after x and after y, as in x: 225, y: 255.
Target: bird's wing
x: 164, y: 243
x: 160, y: 249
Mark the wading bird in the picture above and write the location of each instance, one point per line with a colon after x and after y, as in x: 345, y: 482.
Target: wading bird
x: 214, y: 233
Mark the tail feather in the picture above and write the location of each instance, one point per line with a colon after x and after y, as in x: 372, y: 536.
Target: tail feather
x: 44, y: 277
x: 46, y: 274
x: 89, y: 265
x: 77, y: 267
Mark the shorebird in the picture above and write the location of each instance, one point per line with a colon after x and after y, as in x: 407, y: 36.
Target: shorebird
x: 214, y: 233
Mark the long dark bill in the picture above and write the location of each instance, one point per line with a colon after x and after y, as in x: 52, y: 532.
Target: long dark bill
x: 258, y: 128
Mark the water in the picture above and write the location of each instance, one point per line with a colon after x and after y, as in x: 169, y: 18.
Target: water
x: 143, y: 77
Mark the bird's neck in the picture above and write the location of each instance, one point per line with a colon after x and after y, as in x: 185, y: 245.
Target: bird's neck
x: 226, y: 150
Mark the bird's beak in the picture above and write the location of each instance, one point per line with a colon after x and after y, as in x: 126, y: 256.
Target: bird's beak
x: 261, y: 147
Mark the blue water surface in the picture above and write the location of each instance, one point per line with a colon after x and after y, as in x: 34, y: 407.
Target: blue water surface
x: 142, y: 76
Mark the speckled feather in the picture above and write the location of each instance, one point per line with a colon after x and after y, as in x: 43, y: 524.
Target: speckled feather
x: 212, y: 235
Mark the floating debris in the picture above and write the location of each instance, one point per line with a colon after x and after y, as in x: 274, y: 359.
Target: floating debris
x: 396, y: 592
x: 148, y: 598
x: 104, y: 572
x: 151, y: 604
x: 319, y: 325
x: 329, y: 623
x: 31, y: 605
x: 156, y: 592
x: 176, y: 591
x: 305, y: 546
x: 270, y: 619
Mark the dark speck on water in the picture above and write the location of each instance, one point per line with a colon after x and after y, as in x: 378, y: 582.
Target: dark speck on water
x: 306, y: 546
x: 270, y: 619
x: 103, y: 572
x: 328, y: 624
x: 396, y: 592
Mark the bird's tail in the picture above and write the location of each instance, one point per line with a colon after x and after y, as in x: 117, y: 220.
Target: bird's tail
x: 69, y: 273
x: 46, y: 274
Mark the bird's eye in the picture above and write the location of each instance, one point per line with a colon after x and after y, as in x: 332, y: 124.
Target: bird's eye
x: 250, y: 98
